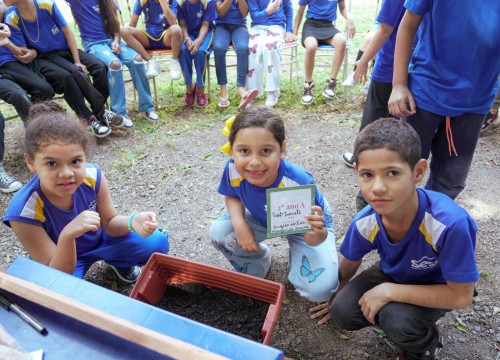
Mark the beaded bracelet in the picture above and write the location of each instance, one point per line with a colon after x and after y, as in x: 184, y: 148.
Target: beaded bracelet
x: 129, y: 222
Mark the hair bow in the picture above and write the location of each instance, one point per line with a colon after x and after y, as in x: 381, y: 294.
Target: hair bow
x: 226, y: 131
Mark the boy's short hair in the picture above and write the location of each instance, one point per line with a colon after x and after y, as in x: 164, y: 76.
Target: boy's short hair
x: 393, y: 135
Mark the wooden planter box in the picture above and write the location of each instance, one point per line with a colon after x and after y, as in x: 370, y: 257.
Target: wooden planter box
x: 163, y: 270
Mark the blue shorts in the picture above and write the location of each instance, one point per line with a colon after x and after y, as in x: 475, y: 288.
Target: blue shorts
x: 156, y: 43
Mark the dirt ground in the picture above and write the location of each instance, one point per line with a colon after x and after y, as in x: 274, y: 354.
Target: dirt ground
x: 175, y: 172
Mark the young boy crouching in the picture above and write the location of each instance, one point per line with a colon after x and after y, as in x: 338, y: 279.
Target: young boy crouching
x: 426, y: 244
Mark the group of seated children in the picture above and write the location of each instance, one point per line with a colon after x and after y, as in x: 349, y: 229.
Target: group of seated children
x: 64, y: 218
x: 219, y: 24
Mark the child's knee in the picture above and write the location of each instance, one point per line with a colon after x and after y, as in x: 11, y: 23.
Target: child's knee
x: 115, y: 65
x: 343, y: 313
x: 138, y: 59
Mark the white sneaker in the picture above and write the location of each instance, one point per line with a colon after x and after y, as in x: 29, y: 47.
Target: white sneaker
x: 272, y: 98
x: 175, y: 69
x: 153, y: 69
x: 307, y: 95
x: 151, y: 116
x: 8, y: 184
x: 364, y: 89
x: 350, y: 82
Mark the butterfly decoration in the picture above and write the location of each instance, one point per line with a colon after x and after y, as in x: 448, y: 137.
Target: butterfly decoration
x: 270, y: 33
x: 305, y: 270
x: 252, y: 49
x: 250, y: 72
x: 253, y: 36
x: 269, y: 68
x: 242, y: 269
x: 273, y: 45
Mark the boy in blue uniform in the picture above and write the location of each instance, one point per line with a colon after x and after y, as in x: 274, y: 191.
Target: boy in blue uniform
x: 448, y: 88
x: 426, y: 244
x: 196, y: 19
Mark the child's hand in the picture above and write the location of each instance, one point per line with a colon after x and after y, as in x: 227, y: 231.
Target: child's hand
x: 373, y: 300
x: 246, y: 239
x: 290, y: 37
x: 316, y: 219
x: 195, y: 46
x: 144, y: 223
x: 273, y: 6
x: 401, y: 102
x: 82, y: 67
x: 85, y: 221
x: 361, y: 71
x: 4, y: 31
x: 320, y: 310
x: 115, y: 47
x: 28, y: 56
x: 351, y: 28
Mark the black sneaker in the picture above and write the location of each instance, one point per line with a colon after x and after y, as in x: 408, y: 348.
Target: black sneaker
x: 112, y: 119
x: 8, y: 184
x: 348, y: 159
x: 307, y: 95
x: 97, y: 128
x: 490, y: 117
x: 329, y: 90
x: 431, y: 354
x: 127, y: 274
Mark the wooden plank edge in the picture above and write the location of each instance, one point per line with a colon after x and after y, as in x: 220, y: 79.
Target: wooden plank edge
x: 125, y: 329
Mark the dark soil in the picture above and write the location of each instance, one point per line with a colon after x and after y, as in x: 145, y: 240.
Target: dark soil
x: 222, y: 309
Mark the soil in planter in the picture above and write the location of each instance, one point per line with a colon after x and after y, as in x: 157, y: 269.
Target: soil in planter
x: 222, y: 309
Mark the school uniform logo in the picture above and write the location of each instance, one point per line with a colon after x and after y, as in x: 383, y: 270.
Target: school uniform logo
x: 199, y: 14
x: 93, y: 205
x: 55, y: 30
x: 96, y: 8
x: 424, y: 263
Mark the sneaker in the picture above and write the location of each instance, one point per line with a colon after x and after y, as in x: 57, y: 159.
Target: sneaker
x: 127, y: 274
x: 115, y: 120
x: 364, y: 89
x: 329, y: 91
x: 307, y: 95
x: 430, y: 354
x: 175, y: 69
x: 190, y: 97
x: 348, y: 159
x: 201, y: 99
x: 272, y: 98
x: 8, y: 184
x: 151, y: 116
x: 350, y: 82
x: 490, y: 117
x: 153, y: 69
x: 99, y: 130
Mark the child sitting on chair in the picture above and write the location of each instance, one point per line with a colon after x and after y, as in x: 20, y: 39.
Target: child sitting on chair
x: 319, y: 29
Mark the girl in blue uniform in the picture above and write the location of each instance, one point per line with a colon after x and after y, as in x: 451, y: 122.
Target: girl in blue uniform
x: 100, y: 33
x: 64, y: 216
x: 196, y: 19
x: 162, y: 32
x: 258, y: 147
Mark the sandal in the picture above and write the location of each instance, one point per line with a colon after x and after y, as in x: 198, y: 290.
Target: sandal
x: 247, y: 99
x: 223, y: 102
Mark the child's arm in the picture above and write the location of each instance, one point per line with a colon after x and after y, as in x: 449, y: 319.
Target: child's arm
x: 401, y: 102
x: 115, y: 225
x: 347, y: 269
x: 169, y: 15
x: 298, y: 19
x: 351, y: 29
x: 288, y: 10
x: 223, y: 6
x: 134, y: 19
x: 70, y: 38
x: 243, y: 6
x: 244, y: 234
x: 379, y: 39
x: 42, y: 249
x: 261, y: 15
x: 319, y: 232
x: 451, y: 295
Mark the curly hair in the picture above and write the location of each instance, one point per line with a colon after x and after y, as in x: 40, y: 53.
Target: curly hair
x: 49, y: 123
x: 259, y: 116
x: 393, y: 135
